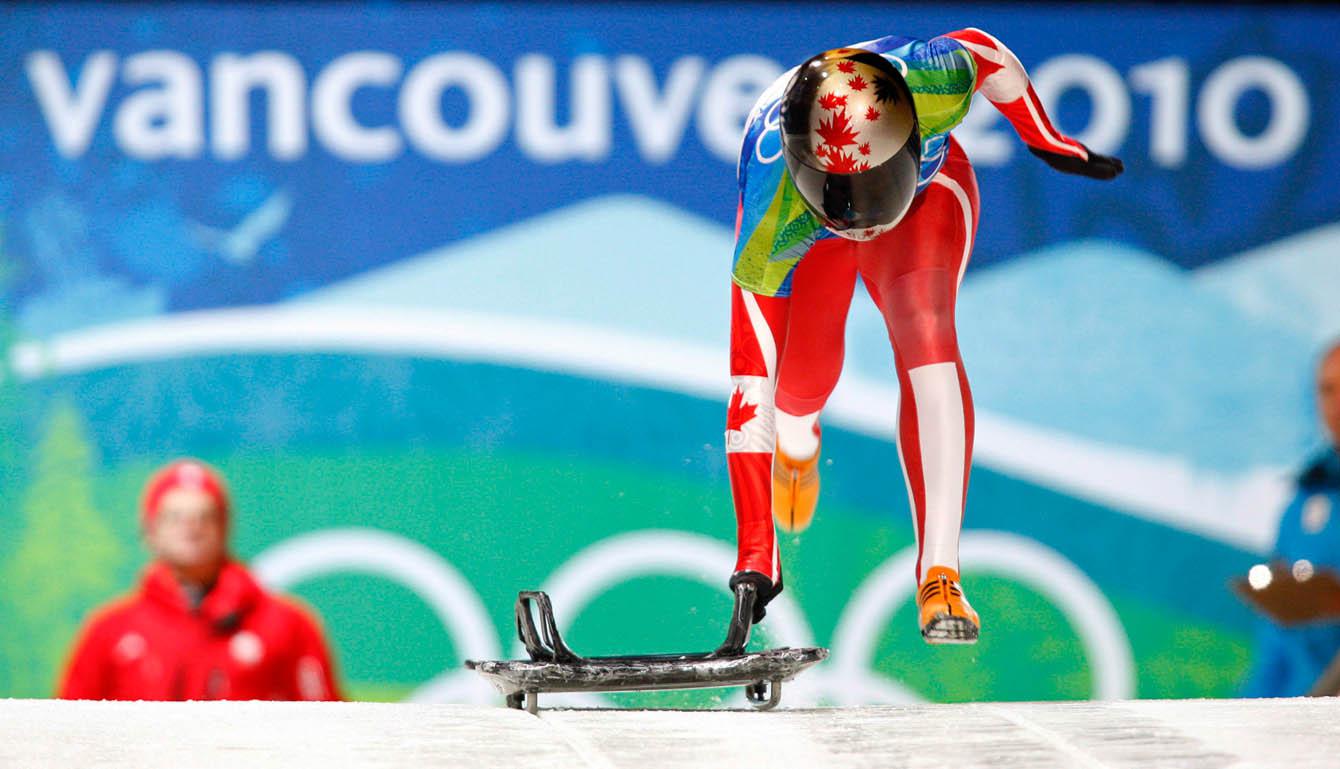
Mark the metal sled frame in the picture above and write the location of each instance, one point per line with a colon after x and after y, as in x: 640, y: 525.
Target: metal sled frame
x: 553, y: 667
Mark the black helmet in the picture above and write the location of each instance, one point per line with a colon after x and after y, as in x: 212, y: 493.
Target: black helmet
x: 850, y: 138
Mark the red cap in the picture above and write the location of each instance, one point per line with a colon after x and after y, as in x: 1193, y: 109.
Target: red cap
x: 183, y: 474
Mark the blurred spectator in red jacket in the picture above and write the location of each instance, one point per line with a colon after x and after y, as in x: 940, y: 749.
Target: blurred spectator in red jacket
x: 200, y: 627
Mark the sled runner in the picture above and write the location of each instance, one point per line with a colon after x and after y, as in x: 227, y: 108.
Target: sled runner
x: 553, y: 667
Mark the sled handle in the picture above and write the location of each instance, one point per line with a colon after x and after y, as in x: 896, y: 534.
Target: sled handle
x: 542, y: 641
x: 741, y: 620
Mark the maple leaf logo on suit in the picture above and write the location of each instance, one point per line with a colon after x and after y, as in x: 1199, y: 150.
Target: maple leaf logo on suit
x: 739, y: 413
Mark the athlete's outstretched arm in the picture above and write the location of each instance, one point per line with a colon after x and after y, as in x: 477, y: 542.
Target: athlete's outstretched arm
x: 1003, y: 81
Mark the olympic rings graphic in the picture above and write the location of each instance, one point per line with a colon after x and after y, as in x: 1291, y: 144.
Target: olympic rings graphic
x: 772, y: 121
x: 897, y: 61
x: 848, y: 678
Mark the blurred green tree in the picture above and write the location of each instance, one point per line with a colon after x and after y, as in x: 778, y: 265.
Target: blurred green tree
x: 66, y: 560
x: 12, y: 441
x: 12, y: 437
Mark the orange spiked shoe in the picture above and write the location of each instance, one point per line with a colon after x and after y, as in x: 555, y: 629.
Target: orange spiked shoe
x: 795, y: 490
x: 946, y: 616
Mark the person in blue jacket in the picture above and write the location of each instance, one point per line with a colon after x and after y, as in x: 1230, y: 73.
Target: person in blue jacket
x: 1290, y: 660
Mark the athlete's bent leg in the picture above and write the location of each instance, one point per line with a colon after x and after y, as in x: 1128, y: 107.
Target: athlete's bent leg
x: 808, y: 370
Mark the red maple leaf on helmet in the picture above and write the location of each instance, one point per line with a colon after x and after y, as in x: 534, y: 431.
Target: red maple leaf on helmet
x: 738, y: 413
x: 840, y: 162
x: 847, y: 67
x: 857, y: 83
x: 831, y: 101
x: 864, y: 166
x: 871, y: 114
x: 837, y: 132
x: 864, y: 149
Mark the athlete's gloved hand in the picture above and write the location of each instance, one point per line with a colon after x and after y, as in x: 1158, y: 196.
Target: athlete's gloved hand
x: 1096, y: 167
x: 764, y: 590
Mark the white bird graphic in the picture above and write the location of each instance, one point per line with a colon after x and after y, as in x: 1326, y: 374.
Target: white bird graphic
x: 240, y: 244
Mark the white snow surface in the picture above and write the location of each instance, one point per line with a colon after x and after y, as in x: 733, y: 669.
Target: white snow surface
x: 1297, y: 734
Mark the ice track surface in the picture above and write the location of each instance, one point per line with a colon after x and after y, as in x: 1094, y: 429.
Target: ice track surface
x: 1205, y: 733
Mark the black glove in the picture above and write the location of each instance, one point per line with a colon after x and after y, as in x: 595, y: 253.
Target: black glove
x: 764, y: 590
x: 1096, y: 167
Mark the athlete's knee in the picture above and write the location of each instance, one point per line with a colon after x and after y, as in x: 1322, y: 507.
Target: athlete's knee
x: 798, y: 404
x: 926, y: 339
x: 920, y: 317
x: 923, y: 337
x: 804, y: 387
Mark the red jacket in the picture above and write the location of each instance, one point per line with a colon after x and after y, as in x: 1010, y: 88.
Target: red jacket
x: 240, y: 644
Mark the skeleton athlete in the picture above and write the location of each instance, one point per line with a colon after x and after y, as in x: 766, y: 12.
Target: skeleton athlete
x: 848, y: 168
